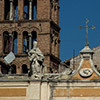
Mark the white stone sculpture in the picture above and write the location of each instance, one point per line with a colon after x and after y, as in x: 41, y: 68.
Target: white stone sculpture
x: 36, y: 58
x: 86, y: 72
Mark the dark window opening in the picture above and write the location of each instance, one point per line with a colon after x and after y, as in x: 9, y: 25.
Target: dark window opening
x: 24, y: 69
x: 6, y: 45
x: 25, y: 41
x: 13, y: 69
x: 8, y: 69
x: 51, y: 1
x: 15, y: 10
x: 15, y: 42
x: 34, y: 10
x: 4, y: 69
x: 7, y: 9
x: 34, y: 37
x: 26, y: 9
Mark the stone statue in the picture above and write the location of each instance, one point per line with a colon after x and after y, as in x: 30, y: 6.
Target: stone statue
x: 36, y: 58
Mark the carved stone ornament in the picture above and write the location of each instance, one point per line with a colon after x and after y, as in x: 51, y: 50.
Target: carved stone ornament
x: 86, y: 72
x: 36, y: 58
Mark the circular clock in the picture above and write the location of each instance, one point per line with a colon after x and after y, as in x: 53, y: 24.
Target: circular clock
x: 86, y: 72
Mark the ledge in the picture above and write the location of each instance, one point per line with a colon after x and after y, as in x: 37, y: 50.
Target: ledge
x: 17, y: 55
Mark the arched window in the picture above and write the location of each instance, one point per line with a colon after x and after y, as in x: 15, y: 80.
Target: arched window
x: 13, y: 69
x: 4, y: 68
x: 15, y: 42
x: 26, y: 9
x: 7, y: 10
x: 34, y: 37
x: 24, y: 69
x: 6, y: 42
x: 25, y: 41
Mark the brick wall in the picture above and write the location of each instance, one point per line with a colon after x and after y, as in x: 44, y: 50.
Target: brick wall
x: 42, y: 25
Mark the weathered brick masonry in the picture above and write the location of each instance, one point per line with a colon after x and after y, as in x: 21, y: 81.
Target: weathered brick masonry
x: 46, y: 25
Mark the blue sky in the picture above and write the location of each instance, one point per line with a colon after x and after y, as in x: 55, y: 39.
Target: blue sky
x: 73, y: 13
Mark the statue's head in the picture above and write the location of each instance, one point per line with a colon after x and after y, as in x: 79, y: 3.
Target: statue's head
x: 35, y: 44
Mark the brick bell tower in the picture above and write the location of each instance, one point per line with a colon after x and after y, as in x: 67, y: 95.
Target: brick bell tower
x: 25, y: 21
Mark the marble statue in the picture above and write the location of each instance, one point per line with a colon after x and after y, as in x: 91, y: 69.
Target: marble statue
x: 36, y: 58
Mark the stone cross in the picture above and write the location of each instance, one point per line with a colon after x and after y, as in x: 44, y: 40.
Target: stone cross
x: 87, y: 27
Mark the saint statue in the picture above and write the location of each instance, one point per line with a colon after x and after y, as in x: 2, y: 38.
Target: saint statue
x: 36, y: 58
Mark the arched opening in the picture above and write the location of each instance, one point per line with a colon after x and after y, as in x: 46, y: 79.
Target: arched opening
x: 7, y: 10
x: 34, y: 10
x: 13, y: 69
x: 26, y: 9
x: 4, y: 68
x: 24, y: 69
x: 15, y: 42
x: 25, y: 41
x: 6, y: 42
x: 34, y: 37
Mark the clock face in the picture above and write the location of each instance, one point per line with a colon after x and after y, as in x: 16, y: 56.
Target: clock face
x: 86, y: 72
